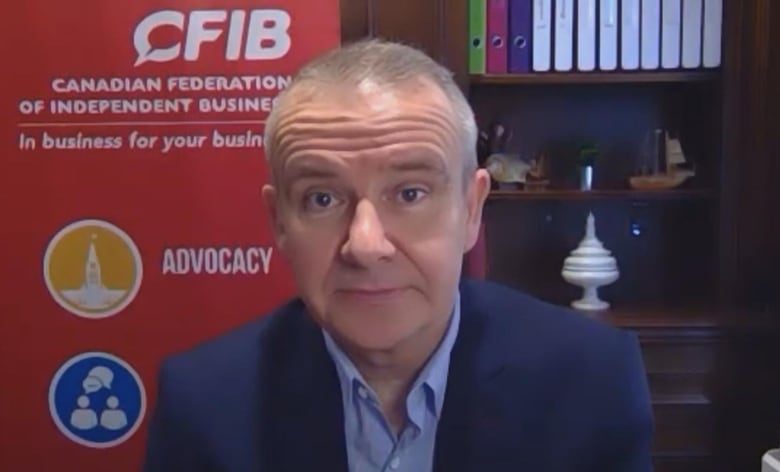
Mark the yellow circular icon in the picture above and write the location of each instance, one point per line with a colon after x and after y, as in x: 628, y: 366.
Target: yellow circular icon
x: 92, y: 269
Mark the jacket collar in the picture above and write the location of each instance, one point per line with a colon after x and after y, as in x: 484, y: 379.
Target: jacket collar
x: 306, y: 404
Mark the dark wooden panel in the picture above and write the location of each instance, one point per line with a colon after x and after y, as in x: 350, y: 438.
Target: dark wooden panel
x: 683, y: 426
x: 733, y: 44
x: 689, y: 462
x: 679, y: 383
x: 420, y: 24
x: 772, y: 255
x: 679, y: 357
x: 750, y: 176
x: 438, y: 27
x: 455, y: 34
x: 354, y: 20
x: 748, y: 410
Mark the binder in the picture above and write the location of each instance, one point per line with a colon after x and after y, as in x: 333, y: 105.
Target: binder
x: 564, y: 34
x: 629, y: 37
x: 691, y: 33
x: 541, y: 38
x: 670, y: 33
x: 497, y: 25
x: 651, y: 33
x: 586, y: 35
x: 713, y: 21
x: 520, y: 36
x: 608, y: 34
x: 477, y: 36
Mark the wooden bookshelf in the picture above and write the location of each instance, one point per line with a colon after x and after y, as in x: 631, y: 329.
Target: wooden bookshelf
x: 573, y: 194
x: 596, y: 77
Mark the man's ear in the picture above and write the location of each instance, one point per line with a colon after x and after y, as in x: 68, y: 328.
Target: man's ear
x: 478, y: 189
x: 271, y: 202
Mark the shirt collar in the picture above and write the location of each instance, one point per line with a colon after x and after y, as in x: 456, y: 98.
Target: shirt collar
x: 433, y: 375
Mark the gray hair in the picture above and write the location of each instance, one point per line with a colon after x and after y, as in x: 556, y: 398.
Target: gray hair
x: 387, y: 64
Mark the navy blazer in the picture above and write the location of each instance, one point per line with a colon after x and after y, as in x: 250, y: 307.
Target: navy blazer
x: 531, y: 387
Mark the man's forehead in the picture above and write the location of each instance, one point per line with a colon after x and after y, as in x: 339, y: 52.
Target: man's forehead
x: 365, y: 97
x: 350, y: 122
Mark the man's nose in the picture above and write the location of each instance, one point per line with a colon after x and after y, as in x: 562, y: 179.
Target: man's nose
x: 366, y: 242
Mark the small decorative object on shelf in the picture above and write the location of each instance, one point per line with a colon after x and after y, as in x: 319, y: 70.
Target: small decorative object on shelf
x: 492, y: 141
x: 586, y: 159
x: 509, y: 171
x: 663, y: 163
x: 590, y: 266
x: 536, y: 178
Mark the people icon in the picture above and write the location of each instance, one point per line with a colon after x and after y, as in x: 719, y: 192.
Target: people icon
x: 97, y: 399
x: 113, y: 418
x: 83, y: 417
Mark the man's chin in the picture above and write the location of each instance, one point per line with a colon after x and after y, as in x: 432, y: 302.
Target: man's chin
x: 376, y: 338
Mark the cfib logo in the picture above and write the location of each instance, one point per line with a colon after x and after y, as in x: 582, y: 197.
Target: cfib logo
x: 265, y: 30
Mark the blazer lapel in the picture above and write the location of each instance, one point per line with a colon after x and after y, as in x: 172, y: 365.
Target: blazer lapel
x: 489, y: 418
x: 472, y: 368
x: 307, y: 410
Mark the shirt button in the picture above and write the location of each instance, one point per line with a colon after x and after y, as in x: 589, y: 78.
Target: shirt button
x: 395, y: 462
x: 362, y: 392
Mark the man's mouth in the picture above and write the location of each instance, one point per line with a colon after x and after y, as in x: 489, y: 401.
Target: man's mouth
x: 371, y: 293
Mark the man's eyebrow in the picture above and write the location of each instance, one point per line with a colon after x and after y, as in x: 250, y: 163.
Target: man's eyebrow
x: 308, y: 170
x: 421, y: 163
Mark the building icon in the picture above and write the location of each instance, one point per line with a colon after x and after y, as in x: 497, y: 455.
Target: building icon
x: 92, y: 269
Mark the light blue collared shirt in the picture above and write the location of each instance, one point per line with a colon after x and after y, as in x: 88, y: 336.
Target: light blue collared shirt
x: 371, y: 443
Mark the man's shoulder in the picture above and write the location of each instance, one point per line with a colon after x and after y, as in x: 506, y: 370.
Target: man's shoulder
x: 580, y: 375
x: 512, y: 317
x: 232, y: 356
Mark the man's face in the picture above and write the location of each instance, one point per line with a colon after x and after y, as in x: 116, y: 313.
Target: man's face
x: 372, y: 210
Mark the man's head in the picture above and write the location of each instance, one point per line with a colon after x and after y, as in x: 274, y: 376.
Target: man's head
x: 375, y: 192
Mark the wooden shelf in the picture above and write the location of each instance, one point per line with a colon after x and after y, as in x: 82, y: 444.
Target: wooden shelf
x: 563, y: 194
x: 705, y: 319
x: 595, y: 77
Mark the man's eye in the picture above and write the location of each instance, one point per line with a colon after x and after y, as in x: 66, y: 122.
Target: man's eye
x: 320, y: 200
x: 412, y: 194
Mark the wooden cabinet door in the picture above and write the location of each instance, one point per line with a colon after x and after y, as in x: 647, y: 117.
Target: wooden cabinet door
x: 438, y: 27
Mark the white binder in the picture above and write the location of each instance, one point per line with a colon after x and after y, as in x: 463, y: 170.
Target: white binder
x: 564, y: 34
x: 713, y: 21
x: 586, y: 35
x: 608, y: 34
x: 540, y: 40
x: 629, y: 34
x: 670, y: 34
x: 691, y: 33
x: 651, y: 33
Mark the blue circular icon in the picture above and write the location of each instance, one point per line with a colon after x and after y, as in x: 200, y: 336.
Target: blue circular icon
x: 97, y: 400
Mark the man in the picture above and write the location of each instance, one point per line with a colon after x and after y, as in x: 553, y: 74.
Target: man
x: 388, y: 361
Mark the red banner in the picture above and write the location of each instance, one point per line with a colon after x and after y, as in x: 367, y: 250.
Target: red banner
x: 130, y: 181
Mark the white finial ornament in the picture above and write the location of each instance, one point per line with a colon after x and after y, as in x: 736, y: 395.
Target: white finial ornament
x: 590, y: 266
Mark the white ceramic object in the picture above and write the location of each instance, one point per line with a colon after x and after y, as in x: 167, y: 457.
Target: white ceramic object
x: 590, y: 266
